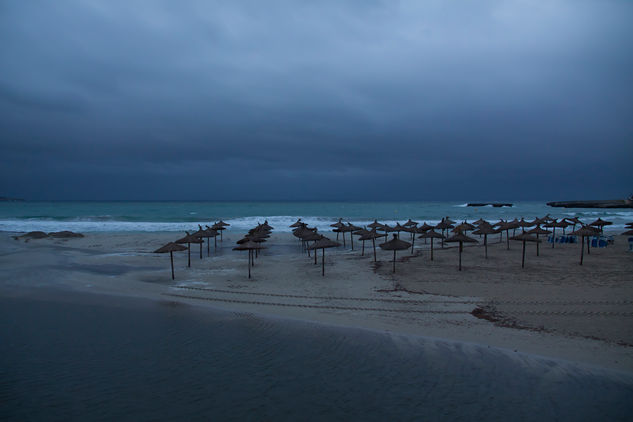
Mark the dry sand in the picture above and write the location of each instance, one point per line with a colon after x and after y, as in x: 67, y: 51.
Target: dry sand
x: 554, y: 307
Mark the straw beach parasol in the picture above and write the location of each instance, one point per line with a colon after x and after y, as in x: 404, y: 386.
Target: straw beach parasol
x: 220, y: 226
x: 444, y: 225
x: 600, y: 223
x: 525, y: 237
x: 538, y: 231
x: 372, y: 235
x: 431, y: 234
x: 485, y: 229
x: 208, y: 233
x: 583, y: 232
x: 189, y: 239
x: 394, y: 245
x: 322, y: 244
x: 249, y: 246
x: 461, y: 238
x: 171, y: 247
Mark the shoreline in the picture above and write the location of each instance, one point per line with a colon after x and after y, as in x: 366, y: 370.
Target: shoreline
x: 120, y: 265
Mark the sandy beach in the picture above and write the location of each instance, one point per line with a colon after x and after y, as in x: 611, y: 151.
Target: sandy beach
x: 553, y: 307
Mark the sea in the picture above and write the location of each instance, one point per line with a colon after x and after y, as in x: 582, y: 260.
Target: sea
x: 130, y: 216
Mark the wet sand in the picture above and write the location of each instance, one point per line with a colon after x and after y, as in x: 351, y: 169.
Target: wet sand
x: 554, y: 307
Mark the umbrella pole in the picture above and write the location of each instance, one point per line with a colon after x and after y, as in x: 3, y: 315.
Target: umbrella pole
x: 189, y: 255
x: 322, y: 262
x: 215, y: 242
x: 553, y: 236
x: 362, y: 253
x: 523, y: 256
x: 582, y: 248
x: 200, y: 250
x: 588, y: 250
x: 537, y: 247
x: 208, y: 247
x: 351, y: 237
x: 394, y: 260
x: 171, y: 257
x: 486, y: 244
x: 373, y: 241
x: 508, y: 239
x: 343, y: 234
x: 316, y: 253
x: 249, y: 263
x: 460, y: 256
x: 431, y: 249
x: 412, y: 244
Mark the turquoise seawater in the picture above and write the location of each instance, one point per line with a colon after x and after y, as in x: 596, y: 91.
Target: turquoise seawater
x: 177, y: 216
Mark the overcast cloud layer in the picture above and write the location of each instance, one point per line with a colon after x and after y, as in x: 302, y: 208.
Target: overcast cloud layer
x: 412, y: 100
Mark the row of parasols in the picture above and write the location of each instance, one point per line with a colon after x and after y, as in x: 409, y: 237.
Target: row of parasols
x: 197, y: 237
x: 530, y: 232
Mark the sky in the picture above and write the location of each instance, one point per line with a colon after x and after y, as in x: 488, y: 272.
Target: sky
x: 316, y: 100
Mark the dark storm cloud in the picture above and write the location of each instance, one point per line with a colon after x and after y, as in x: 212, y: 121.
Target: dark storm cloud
x: 300, y: 100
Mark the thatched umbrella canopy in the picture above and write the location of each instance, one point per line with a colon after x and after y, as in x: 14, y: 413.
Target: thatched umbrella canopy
x: 538, y: 231
x: 388, y: 229
x: 585, y: 231
x: 375, y: 225
x: 423, y: 229
x: 297, y: 223
x: 461, y: 238
x: 600, y: 223
x: 485, y: 229
x: 171, y: 247
x: 410, y: 223
x: 525, y: 237
x: 463, y: 227
x: 479, y: 221
x: 249, y: 246
x: 449, y: 221
x: 189, y: 239
x: 394, y: 245
x: 525, y: 224
x: 372, y: 235
x: 322, y: 244
x: 267, y: 226
x: 431, y: 234
x: 444, y: 225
